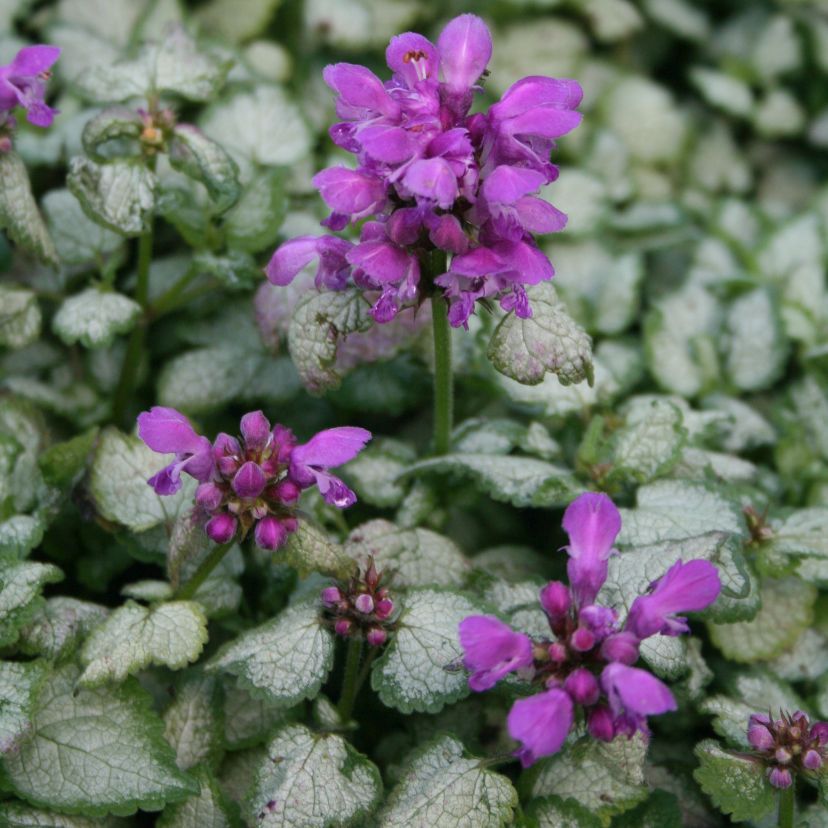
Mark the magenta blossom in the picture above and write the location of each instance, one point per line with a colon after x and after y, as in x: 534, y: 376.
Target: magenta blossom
x: 252, y: 481
x: 587, y: 659
x: 788, y: 746
x: 23, y: 83
x: 432, y: 177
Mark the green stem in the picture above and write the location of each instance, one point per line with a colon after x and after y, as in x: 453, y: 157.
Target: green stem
x: 169, y: 299
x: 350, y: 683
x: 188, y: 590
x: 787, y: 804
x: 443, y: 385
x: 135, y: 347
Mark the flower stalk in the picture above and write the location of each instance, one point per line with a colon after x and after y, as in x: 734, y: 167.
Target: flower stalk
x: 787, y: 807
x: 186, y: 591
x: 443, y: 380
x: 350, y: 679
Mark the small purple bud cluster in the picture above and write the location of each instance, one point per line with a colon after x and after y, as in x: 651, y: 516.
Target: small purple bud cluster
x: 23, y: 83
x: 361, y: 608
x: 587, y: 659
x: 252, y: 481
x: 788, y: 745
x: 433, y: 177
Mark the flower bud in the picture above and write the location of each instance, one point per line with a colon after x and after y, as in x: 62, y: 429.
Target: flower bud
x: 582, y: 686
x: 290, y: 524
x: 384, y: 608
x: 221, y: 528
x: 376, y: 637
x: 227, y: 452
x: 819, y: 731
x: 285, y: 491
x: 812, y: 760
x: 600, y: 724
x: 759, y: 736
x: 343, y: 626
x: 331, y: 595
x: 255, y: 430
x: 782, y: 756
x: 209, y: 496
x: 582, y: 640
x: 780, y: 778
x: 555, y: 600
x: 622, y: 647
x: 364, y: 604
x: 557, y: 652
x: 249, y: 481
x: 269, y: 533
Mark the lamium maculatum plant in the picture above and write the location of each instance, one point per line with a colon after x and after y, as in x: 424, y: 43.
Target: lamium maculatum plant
x: 326, y: 501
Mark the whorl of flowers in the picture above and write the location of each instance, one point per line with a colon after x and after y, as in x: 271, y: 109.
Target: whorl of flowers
x: 788, y: 745
x: 587, y: 659
x: 252, y: 481
x: 431, y: 177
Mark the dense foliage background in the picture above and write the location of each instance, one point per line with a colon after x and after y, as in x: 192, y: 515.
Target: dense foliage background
x: 694, y: 259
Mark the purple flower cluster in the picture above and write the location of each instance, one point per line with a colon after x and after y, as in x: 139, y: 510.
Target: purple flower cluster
x: 23, y: 83
x: 253, y: 480
x: 362, y: 607
x: 788, y: 745
x: 432, y: 177
x: 588, y: 659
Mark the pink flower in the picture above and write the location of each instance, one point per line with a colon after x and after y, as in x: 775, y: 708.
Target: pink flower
x: 23, y: 83
x: 541, y: 723
x: 685, y: 587
x: 492, y: 649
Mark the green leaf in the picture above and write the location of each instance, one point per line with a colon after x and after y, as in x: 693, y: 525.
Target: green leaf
x: 253, y: 223
x: 194, y: 154
x: 284, y: 660
x: 262, y: 127
x: 193, y: 722
x: 548, y: 341
x: 95, y: 751
x: 20, y: 586
x: 62, y: 463
x: 554, y: 812
x: 758, y: 691
x: 309, y: 549
x: 755, y: 342
x: 408, y: 557
x: 18, y: 815
x: 419, y: 670
x: 94, y: 317
x: 19, y: 317
x: 676, y: 510
x: 650, y: 443
x: 442, y: 788
x: 798, y: 544
x: 19, y: 215
x: 736, y: 785
x: 19, y: 685
x: 114, y: 132
x: 679, y: 336
x: 56, y: 627
x: 119, y: 195
x: 374, y: 471
x: 337, y: 784
x: 606, y: 778
x: 209, y: 809
x: 19, y: 535
x: 236, y: 20
x: 787, y: 609
x: 806, y: 660
x: 121, y: 466
x: 661, y: 810
x: 175, y: 65
x: 248, y: 720
x: 521, y: 481
x: 133, y: 637
x: 320, y: 322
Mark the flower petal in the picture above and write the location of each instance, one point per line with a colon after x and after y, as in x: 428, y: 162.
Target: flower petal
x: 541, y: 723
